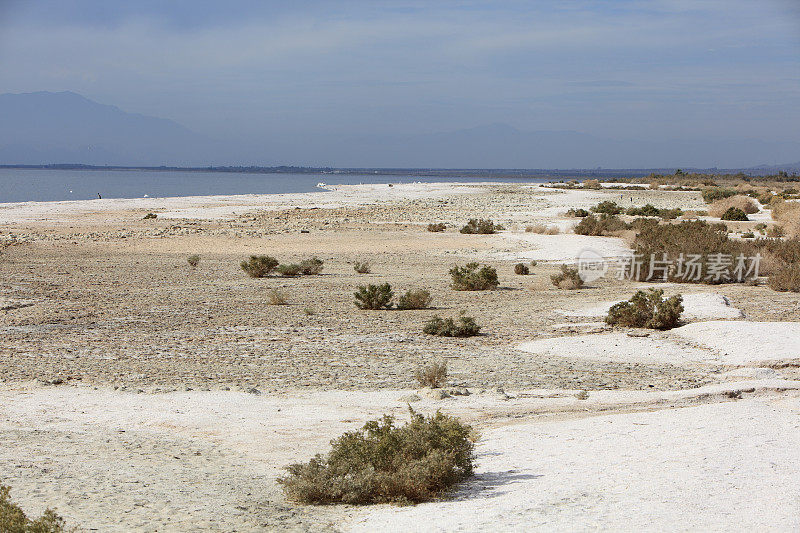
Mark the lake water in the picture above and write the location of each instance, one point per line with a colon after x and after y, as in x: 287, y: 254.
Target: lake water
x: 25, y: 185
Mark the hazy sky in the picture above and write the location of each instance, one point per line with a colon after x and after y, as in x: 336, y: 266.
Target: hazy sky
x: 264, y: 70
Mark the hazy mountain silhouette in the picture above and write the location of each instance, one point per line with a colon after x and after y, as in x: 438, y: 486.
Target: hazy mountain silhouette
x: 45, y: 127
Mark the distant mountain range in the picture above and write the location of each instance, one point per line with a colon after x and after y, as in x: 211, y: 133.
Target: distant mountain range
x: 64, y: 127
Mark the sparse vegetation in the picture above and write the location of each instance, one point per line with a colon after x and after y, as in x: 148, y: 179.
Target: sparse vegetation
x: 447, y: 327
x: 362, y: 267
x: 383, y: 463
x: 542, y: 229
x: 276, y: 297
x: 592, y: 184
x: 311, y: 267
x: 521, y: 269
x: 604, y: 225
x: 786, y: 278
x: 607, y: 208
x: 150, y: 216
x: 717, y: 193
x: 414, y: 299
x: 14, y: 520
x: 471, y: 278
x: 742, y: 203
x: 579, y: 213
x: 432, y: 375
x: 649, y: 210
x: 482, y: 226
x: 259, y: 266
x: 193, y: 260
x: 290, y: 270
x: 568, y: 278
x: 374, y: 297
x: 437, y: 227
x: 647, y: 310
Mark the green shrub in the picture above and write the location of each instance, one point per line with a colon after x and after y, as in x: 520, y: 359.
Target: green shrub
x: 748, y: 235
x: 649, y: 210
x: 447, y: 327
x: 150, y: 216
x: 579, y: 213
x: 259, y: 266
x: 568, y: 278
x: 734, y: 213
x: 374, y: 296
x: 647, y: 310
x: 290, y: 270
x: 13, y: 519
x: 362, y: 267
x: 437, y: 227
x: 432, y: 375
x: 521, y: 269
x: 607, y: 208
x: 604, y: 225
x: 481, y: 226
x: 193, y: 260
x: 470, y: 278
x: 414, y: 299
x: 717, y: 193
x: 786, y: 278
x: 311, y: 267
x: 383, y: 463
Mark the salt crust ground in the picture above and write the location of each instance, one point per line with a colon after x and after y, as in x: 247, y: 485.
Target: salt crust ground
x: 712, y: 342
x: 699, y: 306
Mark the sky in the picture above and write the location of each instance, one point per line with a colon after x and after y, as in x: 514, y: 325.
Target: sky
x: 294, y: 72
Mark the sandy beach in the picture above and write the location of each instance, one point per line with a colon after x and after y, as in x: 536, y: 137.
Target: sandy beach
x: 140, y: 394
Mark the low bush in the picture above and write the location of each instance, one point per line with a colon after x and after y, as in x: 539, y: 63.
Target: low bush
x: 542, y: 229
x: 580, y: 212
x: 259, y: 266
x: 717, y: 193
x: 604, y: 225
x: 607, y: 208
x: 311, y: 267
x: 382, y: 463
x: 719, y: 207
x: 362, y: 267
x: 521, y: 269
x: 150, y: 216
x: 734, y: 213
x: 592, y: 184
x: 374, y: 296
x: 647, y: 310
x: 568, y: 278
x: 432, y: 375
x: 748, y: 235
x: 14, y: 520
x: 786, y: 278
x: 649, y: 210
x: 481, y: 226
x: 437, y: 227
x: 414, y: 299
x: 276, y: 297
x: 447, y: 327
x: 775, y: 232
x: 471, y: 278
x: 193, y: 260
x: 290, y: 270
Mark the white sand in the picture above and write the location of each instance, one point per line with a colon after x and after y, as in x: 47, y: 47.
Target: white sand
x: 698, y: 306
x: 746, y: 342
x: 559, y: 248
x: 722, y: 467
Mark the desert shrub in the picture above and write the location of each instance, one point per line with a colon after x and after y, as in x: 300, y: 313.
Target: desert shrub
x: 259, y: 265
x: 786, y: 278
x: 579, y: 213
x: 290, y: 269
x: 649, y: 210
x: 276, y: 297
x: 719, y: 207
x: 607, y: 208
x: 432, y: 375
x: 310, y: 267
x: 437, y: 227
x: 775, y: 232
x: 414, y: 299
x: 471, y: 278
x: 568, y: 278
x: 481, y: 226
x: 761, y: 227
x: 748, y: 235
x: 150, y: 216
x: 362, y: 267
x: 13, y: 519
x: 788, y: 215
x: 382, y: 463
x: 766, y: 198
x: 604, y: 225
x: 521, y: 269
x: 592, y: 184
x: 734, y: 213
x: 374, y: 296
x: 193, y: 260
x: 717, y: 193
x: 542, y: 229
x: 447, y: 327
x: 647, y: 310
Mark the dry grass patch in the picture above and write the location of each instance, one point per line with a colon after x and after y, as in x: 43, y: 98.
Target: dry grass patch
x: 362, y: 267
x: 567, y: 279
x: 743, y: 203
x: 542, y: 229
x: 276, y: 297
x: 432, y: 375
x: 414, y: 299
